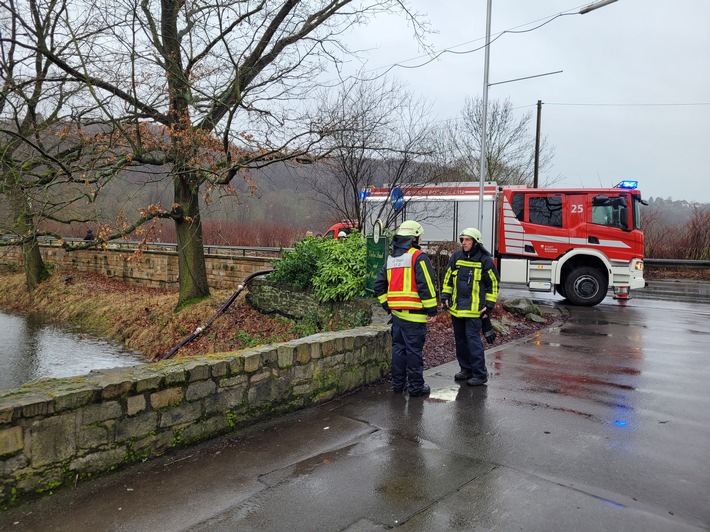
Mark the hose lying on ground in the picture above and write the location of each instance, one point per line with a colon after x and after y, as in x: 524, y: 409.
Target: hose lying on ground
x: 221, y: 311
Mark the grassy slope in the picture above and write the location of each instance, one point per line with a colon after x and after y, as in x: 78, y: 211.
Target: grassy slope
x: 143, y: 319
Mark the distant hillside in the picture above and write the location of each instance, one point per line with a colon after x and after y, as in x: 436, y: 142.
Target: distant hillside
x: 673, y: 212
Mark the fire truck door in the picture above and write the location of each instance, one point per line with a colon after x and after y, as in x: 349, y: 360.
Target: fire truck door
x: 577, y: 208
x: 610, y: 228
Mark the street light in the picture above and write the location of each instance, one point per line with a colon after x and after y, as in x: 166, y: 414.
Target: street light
x: 595, y: 5
x: 486, y: 64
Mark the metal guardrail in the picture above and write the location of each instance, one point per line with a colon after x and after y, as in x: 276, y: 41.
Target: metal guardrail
x: 128, y: 245
x: 676, y: 263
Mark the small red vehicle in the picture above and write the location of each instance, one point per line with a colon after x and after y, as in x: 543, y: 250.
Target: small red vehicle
x: 346, y: 226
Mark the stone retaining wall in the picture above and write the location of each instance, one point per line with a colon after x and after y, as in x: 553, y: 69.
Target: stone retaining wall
x: 56, y: 431
x: 296, y: 303
x: 156, y: 269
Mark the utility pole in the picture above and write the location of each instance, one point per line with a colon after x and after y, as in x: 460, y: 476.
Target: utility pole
x: 482, y: 161
x: 537, y: 143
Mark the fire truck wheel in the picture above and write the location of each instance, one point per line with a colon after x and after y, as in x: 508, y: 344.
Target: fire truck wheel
x: 585, y: 286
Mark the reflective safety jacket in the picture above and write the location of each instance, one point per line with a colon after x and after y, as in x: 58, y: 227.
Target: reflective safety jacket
x: 470, y: 283
x: 406, y: 284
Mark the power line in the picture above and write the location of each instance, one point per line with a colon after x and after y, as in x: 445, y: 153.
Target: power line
x: 661, y: 104
x: 452, y: 49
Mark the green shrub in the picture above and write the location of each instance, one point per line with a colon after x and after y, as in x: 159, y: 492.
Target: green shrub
x: 298, y: 267
x: 335, y: 270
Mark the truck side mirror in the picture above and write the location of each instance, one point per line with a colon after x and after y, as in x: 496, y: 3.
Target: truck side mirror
x: 600, y: 201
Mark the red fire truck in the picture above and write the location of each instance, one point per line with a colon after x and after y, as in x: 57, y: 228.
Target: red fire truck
x: 577, y: 242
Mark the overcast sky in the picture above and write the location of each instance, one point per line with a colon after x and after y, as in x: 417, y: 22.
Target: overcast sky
x: 632, y: 102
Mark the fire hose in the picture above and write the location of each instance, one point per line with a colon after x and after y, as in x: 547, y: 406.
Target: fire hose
x: 221, y: 311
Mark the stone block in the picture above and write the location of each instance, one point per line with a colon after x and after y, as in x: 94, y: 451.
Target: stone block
x: 135, y: 404
x: 152, y: 444
x: 252, y: 361
x: 205, y: 429
x: 100, y: 412
x: 220, y: 369
x: 38, y: 405
x: 233, y: 381
x: 315, y: 350
x: 258, y: 377
x: 41, y: 482
x: 6, y: 413
x: 259, y: 393
x: 92, y: 436
x: 303, y: 353
x: 349, y: 343
x: 10, y: 440
x: 328, y: 348
x: 269, y: 355
x: 180, y: 414
x: 353, y: 378
x: 302, y: 389
x: 137, y: 427
x: 148, y: 383
x: 199, y: 390
x: 53, y: 440
x: 9, y: 467
x: 225, y: 400
x: 175, y: 376
x: 197, y: 370
x: 335, y: 360
x: 114, y: 382
x: 304, y: 373
x: 285, y: 356
x: 70, y: 399
x: 166, y: 398
x: 236, y: 365
x: 99, y: 461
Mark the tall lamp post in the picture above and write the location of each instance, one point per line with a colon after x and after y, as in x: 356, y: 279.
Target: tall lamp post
x: 484, y: 126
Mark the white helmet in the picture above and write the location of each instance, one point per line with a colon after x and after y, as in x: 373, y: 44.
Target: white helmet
x: 471, y: 232
x: 410, y: 228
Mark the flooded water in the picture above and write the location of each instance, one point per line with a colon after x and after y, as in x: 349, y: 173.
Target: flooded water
x: 31, y: 348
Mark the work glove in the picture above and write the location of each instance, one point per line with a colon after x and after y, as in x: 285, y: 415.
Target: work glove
x: 386, y: 307
x: 486, y: 312
x: 445, y: 303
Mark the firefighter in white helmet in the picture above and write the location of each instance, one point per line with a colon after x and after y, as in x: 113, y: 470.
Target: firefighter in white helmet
x: 405, y: 287
x: 469, y: 292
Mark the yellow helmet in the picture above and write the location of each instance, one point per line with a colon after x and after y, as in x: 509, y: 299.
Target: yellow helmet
x: 410, y: 228
x: 471, y: 232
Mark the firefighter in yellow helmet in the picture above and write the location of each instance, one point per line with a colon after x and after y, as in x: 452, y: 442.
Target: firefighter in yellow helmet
x: 469, y: 292
x: 405, y: 288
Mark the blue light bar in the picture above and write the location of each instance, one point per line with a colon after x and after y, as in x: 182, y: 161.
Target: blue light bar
x: 628, y: 184
x: 364, y: 194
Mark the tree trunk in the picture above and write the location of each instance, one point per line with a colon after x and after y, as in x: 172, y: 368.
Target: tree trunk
x: 192, y: 271
x: 35, y: 268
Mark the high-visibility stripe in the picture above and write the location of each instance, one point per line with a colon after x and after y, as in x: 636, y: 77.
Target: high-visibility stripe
x: 492, y: 296
x: 410, y: 316
x: 402, y: 293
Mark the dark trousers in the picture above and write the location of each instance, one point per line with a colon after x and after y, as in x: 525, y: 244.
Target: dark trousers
x: 407, y: 346
x: 469, y: 346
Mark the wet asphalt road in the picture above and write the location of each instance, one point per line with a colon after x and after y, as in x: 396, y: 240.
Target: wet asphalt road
x: 599, y: 423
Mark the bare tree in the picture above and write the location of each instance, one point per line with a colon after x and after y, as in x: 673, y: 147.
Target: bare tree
x: 207, y: 88
x: 48, y: 162
x: 510, y: 145
x: 384, y: 137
